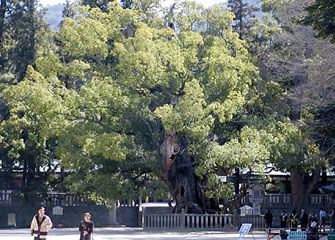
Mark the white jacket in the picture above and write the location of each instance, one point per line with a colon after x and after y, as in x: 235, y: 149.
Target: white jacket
x: 42, y: 230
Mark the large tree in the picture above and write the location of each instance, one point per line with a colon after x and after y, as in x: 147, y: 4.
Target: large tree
x: 321, y: 16
x: 24, y: 149
x: 126, y: 100
x: 131, y: 98
x: 300, y: 64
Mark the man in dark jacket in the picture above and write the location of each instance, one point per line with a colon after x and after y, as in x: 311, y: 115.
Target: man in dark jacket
x: 268, y: 219
x: 283, y: 219
x: 303, y: 218
x: 86, y: 227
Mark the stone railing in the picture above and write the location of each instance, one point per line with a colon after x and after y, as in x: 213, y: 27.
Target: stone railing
x: 5, y: 198
x: 52, y: 199
x: 188, y: 221
x: 257, y: 221
x: 323, y: 200
x: 200, y: 221
x: 269, y: 200
x: 277, y: 200
x: 285, y: 201
x: 65, y: 199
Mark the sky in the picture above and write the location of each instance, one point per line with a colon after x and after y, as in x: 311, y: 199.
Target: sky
x: 206, y: 3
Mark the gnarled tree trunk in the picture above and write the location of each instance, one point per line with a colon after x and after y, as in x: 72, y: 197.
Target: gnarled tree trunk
x: 178, y: 173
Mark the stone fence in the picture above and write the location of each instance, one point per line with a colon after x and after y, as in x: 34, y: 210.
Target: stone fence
x: 285, y: 201
x: 187, y: 221
x: 199, y: 221
x: 269, y: 200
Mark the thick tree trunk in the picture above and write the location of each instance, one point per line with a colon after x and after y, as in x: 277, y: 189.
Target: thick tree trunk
x: 301, y: 189
x: 178, y: 173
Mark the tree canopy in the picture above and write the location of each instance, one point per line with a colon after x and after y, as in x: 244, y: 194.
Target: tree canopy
x: 125, y: 100
x: 322, y: 17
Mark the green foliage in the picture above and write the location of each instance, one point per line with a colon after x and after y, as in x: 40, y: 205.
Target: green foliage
x: 322, y: 17
x: 88, y: 36
x: 216, y: 189
x: 100, y: 93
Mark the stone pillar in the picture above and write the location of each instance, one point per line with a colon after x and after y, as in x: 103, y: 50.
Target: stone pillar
x: 112, y: 214
x: 140, y: 212
x: 11, y: 220
x: 182, y: 218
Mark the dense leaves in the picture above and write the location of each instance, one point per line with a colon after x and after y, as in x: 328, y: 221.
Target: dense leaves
x: 322, y: 17
x: 123, y: 99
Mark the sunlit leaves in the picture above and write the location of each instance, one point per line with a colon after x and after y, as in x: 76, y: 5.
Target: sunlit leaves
x: 85, y: 36
x: 150, y: 59
x: 189, y: 115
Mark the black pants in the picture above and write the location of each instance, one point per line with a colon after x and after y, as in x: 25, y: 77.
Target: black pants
x: 87, y: 237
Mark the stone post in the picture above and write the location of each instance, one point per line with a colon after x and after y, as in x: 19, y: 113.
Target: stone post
x: 182, y: 218
x: 112, y: 214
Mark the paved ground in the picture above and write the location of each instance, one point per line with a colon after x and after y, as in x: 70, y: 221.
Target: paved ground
x: 123, y: 233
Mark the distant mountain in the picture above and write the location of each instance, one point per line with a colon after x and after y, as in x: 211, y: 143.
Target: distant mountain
x: 54, y: 15
x: 55, y: 12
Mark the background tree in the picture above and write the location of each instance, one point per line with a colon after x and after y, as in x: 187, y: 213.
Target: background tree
x: 101, y: 4
x: 24, y: 152
x: 25, y: 21
x: 322, y: 17
x: 244, y: 13
x: 27, y: 135
x: 296, y: 64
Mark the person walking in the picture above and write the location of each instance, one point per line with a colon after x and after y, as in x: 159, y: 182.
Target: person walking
x: 86, y: 227
x: 283, y: 219
x: 294, y: 220
x: 40, y: 225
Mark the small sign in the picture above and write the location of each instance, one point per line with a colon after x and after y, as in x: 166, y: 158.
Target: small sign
x: 57, y: 211
x: 244, y: 230
x: 12, y: 219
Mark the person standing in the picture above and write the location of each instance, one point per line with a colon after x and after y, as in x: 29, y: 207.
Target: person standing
x: 294, y: 220
x: 313, y: 229
x: 303, y: 218
x: 86, y: 227
x: 40, y: 225
x: 283, y: 219
x: 332, y: 220
x: 268, y: 219
x: 322, y: 219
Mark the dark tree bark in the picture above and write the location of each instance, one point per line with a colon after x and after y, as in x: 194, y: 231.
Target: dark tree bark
x: 302, y: 188
x: 179, y: 175
x: 2, y: 19
x: 3, y: 8
x: 298, y: 190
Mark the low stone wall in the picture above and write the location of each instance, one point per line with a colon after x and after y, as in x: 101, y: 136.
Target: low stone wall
x: 20, y: 217
x: 128, y: 216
